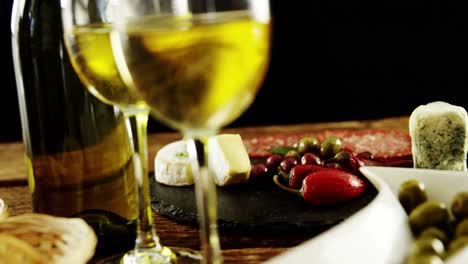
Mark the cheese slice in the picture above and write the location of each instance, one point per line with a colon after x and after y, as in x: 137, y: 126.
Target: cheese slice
x: 3, y: 209
x: 439, y: 136
x: 228, y: 161
x: 173, y: 166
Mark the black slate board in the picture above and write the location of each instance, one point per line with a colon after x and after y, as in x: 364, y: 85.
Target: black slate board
x: 260, y: 207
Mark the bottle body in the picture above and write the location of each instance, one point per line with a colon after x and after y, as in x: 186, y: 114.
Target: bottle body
x: 78, y: 155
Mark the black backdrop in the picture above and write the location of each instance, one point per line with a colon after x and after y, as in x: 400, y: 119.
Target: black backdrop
x: 334, y: 60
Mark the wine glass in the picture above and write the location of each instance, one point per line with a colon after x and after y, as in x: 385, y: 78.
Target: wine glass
x: 198, y: 65
x: 87, y: 27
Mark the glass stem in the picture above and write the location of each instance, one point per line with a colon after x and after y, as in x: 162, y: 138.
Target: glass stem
x: 205, y: 192
x: 137, y: 121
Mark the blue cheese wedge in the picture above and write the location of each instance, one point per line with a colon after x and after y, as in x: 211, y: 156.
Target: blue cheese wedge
x: 228, y: 161
x: 439, y: 136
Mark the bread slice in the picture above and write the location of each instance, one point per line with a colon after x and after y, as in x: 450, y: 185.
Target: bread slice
x: 14, y: 250
x: 56, y: 239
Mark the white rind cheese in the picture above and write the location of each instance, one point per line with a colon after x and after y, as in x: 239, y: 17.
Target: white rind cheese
x: 173, y: 166
x: 228, y: 161
x: 439, y: 136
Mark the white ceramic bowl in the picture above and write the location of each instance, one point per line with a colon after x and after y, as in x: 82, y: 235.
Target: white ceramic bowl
x: 378, y: 233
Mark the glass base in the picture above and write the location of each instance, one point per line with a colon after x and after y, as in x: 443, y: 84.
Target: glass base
x: 150, y: 256
x: 177, y: 255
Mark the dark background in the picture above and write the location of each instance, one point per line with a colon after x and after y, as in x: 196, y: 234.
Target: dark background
x: 333, y: 61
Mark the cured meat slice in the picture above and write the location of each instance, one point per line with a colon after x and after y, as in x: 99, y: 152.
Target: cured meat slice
x: 382, y: 143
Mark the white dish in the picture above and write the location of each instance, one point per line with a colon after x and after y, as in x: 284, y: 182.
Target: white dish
x: 379, y: 233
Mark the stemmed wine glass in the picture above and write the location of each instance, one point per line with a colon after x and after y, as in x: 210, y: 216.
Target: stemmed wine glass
x: 198, y: 65
x: 87, y: 28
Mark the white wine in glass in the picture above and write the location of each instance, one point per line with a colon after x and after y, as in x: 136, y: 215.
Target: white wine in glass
x: 87, y: 31
x: 93, y: 60
x: 198, y: 65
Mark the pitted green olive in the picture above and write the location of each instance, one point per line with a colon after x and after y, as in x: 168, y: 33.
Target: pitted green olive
x: 427, y: 246
x: 462, y: 228
x: 434, y: 232
x: 330, y: 146
x: 307, y: 144
x: 411, y: 194
x: 425, y: 259
x: 456, y: 245
x: 459, y: 205
x: 428, y: 214
x: 294, y: 154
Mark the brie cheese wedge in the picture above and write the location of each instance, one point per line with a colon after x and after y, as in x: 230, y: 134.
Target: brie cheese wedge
x: 173, y: 166
x: 228, y: 162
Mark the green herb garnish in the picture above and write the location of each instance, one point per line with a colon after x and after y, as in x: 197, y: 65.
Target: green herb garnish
x: 280, y: 150
x: 182, y: 154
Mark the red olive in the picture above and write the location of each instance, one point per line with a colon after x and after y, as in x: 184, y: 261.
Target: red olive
x: 365, y: 155
x: 287, y: 164
x: 310, y: 158
x: 273, y: 162
x: 258, y: 170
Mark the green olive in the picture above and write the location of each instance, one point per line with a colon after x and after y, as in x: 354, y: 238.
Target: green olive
x: 330, y: 146
x: 456, y: 245
x: 462, y: 228
x: 434, y: 232
x: 427, y: 246
x: 459, y: 205
x: 307, y: 144
x: 424, y: 259
x: 411, y: 194
x: 294, y: 154
x: 428, y: 214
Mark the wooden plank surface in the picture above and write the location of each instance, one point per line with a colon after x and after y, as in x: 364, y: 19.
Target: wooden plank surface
x: 236, y: 248
x: 12, y: 164
x: 13, y: 168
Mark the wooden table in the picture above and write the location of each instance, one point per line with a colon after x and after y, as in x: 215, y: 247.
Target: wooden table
x: 236, y: 248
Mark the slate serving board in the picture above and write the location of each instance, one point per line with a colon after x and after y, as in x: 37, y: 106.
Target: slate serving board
x: 261, y: 208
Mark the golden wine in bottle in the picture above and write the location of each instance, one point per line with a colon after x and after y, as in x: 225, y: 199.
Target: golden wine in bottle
x: 79, y: 159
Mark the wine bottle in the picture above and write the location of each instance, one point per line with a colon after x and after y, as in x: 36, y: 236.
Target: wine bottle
x: 78, y: 156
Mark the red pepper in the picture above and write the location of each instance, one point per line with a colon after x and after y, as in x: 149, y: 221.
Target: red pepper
x: 331, y: 186
x: 328, y: 187
x: 299, y: 172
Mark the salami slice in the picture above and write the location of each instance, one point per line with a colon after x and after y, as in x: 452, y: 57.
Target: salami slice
x: 382, y: 143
